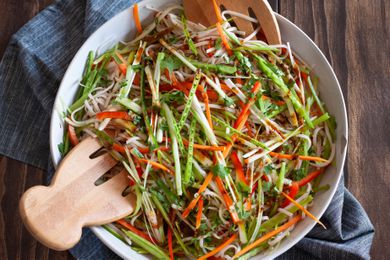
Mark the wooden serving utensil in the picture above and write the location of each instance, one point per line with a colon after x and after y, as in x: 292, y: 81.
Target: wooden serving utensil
x: 56, y: 214
x: 202, y: 11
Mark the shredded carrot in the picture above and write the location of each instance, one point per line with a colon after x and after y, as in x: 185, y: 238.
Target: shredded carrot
x: 249, y: 128
x: 238, y: 167
x: 293, y: 156
x: 202, y: 188
x: 136, y: 18
x: 113, y: 114
x: 227, y: 199
x: 72, y: 135
x: 157, y: 165
x: 224, y: 39
x: 123, y: 68
x: 199, y: 214
x: 170, y: 244
x: 119, y: 148
x: 311, y: 176
x: 239, y: 81
x: 217, y: 11
x: 242, y: 118
x: 312, y: 158
x: 123, y: 65
x: 292, y: 193
x: 209, y: 177
x: 120, y: 57
x: 135, y: 230
x: 219, y: 248
x: 303, y: 209
x: 248, y: 204
x: 269, y: 235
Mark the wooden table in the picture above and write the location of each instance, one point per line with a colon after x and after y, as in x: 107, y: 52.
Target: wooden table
x: 353, y: 36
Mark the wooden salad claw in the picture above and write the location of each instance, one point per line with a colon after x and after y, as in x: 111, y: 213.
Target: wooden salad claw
x: 56, y: 214
x: 202, y: 11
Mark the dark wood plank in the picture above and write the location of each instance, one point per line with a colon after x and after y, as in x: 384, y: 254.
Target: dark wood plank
x: 353, y: 36
x: 15, y: 241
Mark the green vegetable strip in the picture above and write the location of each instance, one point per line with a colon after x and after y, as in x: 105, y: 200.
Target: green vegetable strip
x: 175, y: 149
x: 166, y: 218
x: 280, y: 181
x: 280, y: 217
x: 188, y: 171
x: 219, y: 68
x: 91, y: 83
x: 191, y: 44
x: 187, y: 107
x: 138, y: 201
x: 152, y: 139
x: 260, y: 201
x: 262, y: 63
x: 148, y: 246
x: 157, y: 73
x: 316, y: 98
x: 252, y: 140
x: 172, y: 198
x: 129, y: 104
x: 130, y: 72
x: 193, y: 68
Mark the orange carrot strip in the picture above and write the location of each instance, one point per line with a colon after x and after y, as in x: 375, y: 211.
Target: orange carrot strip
x: 123, y: 65
x: 135, y: 230
x: 311, y: 176
x: 72, y: 135
x: 219, y: 248
x: 119, y: 148
x: 120, y: 57
x: 199, y: 214
x: 239, y: 169
x: 227, y: 199
x: 192, y: 204
x: 293, y: 156
x: 303, y: 209
x: 157, y: 165
x: 224, y: 39
x: 267, y: 236
x: 217, y: 12
x: 248, y: 204
x: 113, y: 114
x: 136, y: 18
x: 242, y: 118
x: 123, y: 68
x: 170, y: 244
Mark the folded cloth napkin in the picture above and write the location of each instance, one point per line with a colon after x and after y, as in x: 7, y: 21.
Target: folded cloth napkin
x: 30, y: 73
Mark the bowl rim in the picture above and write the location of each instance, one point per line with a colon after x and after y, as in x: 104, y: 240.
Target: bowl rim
x: 113, y: 243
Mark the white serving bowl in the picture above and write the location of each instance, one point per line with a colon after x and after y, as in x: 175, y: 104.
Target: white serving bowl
x: 121, y: 27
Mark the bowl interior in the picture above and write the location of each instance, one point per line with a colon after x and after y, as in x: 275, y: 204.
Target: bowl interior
x: 121, y: 28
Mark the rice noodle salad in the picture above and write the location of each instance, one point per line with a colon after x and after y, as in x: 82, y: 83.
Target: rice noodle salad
x: 223, y: 136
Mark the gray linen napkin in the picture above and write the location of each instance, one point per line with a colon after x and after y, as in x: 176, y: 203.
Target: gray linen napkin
x: 30, y: 73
